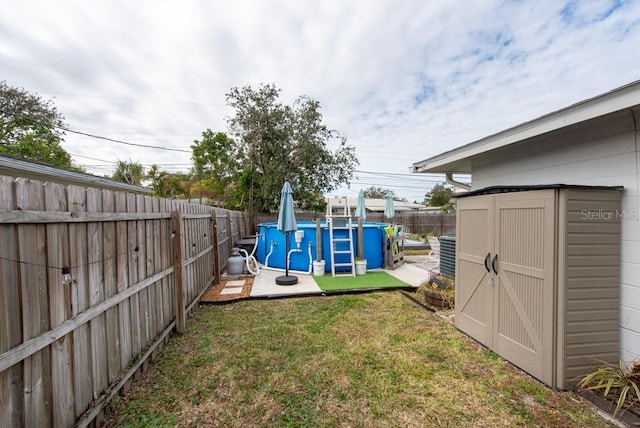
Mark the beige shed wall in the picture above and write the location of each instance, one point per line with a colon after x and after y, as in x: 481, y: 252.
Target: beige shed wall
x: 588, y: 274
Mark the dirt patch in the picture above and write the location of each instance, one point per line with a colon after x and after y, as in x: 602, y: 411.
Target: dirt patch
x: 216, y: 293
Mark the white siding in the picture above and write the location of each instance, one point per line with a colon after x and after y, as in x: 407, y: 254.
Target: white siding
x: 607, y: 156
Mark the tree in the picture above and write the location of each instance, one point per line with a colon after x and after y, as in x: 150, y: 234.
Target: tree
x: 217, y: 159
x: 440, y: 196
x: 129, y: 172
x: 374, y: 192
x: 32, y: 128
x: 282, y: 142
x: 169, y: 185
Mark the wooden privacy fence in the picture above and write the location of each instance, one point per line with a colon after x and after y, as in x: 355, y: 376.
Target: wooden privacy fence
x: 414, y: 222
x: 439, y: 223
x: 92, y: 282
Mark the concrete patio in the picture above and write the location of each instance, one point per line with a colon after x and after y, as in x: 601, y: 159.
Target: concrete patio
x: 264, y: 284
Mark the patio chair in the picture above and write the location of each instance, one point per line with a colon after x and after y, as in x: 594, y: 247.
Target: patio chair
x: 434, y: 257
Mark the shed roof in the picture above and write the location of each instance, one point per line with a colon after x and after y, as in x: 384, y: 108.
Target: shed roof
x: 458, y: 160
x: 492, y: 190
x: 17, y: 167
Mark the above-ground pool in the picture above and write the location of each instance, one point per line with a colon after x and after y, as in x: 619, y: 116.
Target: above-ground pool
x: 271, y: 243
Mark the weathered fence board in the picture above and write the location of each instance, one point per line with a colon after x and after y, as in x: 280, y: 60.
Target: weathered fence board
x: 178, y: 272
x: 149, y: 269
x: 216, y: 251
x: 97, y: 327
x: 59, y: 306
x: 35, y: 313
x: 166, y: 262
x: 83, y: 388
x: 110, y: 252
x: 133, y: 246
x: 122, y: 270
x: 11, y: 390
x: 139, y: 253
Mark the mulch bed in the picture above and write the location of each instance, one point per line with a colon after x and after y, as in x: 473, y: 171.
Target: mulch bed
x: 214, y: 294
x: 630, y: 416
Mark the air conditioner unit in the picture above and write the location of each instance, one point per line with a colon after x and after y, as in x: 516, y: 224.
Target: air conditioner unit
x: 448, y: 255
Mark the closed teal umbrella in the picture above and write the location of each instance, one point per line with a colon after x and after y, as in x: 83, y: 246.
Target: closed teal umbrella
x: 287, y: 224
x: 361, y: 211
x: 286, y: 216
x: 389, y: 211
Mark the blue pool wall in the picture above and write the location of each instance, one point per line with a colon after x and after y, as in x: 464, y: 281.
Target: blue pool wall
x: 373, y: 234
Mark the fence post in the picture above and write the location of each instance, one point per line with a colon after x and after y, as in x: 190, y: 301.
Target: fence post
x: 178, y: 272
x: 216, y: 251
x: 247, y: 229
x: 442, y: 221
x: 241, y: 229
x: 252, y: 220
x: 229, y: 230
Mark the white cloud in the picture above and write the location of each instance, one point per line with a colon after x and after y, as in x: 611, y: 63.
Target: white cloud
x: 402, y: 80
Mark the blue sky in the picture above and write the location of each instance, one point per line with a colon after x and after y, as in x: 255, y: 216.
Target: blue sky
x: 403, y: 81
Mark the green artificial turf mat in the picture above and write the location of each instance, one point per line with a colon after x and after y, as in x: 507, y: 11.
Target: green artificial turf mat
x: 370, y: 280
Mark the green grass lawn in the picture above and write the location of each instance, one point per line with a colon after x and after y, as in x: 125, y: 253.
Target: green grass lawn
x: 366, y: 360
x: 370, y: 280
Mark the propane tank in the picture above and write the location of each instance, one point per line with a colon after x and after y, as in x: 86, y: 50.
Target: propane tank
x: 235, y: 263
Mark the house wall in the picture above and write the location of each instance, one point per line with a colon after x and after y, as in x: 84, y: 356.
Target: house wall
x: 603, y: 153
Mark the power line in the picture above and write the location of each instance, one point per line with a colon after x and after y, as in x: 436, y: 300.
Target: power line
x: 95, y: 159
x: 407, y: 174
x: 395, y: 186
x: 99, y: 137
x: 401, y: 181
x: 122, y: 142
x: 399, y: 174
x: 107, y: 163
x: 392, y: 178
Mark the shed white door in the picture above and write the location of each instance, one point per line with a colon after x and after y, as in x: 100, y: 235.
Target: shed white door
x: 506, y: 300
x: 474, y: 294
x: 524, y: 282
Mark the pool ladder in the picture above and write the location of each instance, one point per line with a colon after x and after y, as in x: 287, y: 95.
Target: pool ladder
x: 341, y: 239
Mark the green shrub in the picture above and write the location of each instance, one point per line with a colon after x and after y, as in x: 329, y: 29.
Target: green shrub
x: 618, y: 383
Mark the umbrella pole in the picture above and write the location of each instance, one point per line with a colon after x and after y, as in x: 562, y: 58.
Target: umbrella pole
x: 286, y: 279
x: 360, y: 240
x: 286, y: 254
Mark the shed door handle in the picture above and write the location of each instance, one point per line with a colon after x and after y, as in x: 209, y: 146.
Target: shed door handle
x: 486, y: 262
x: 493, y: 264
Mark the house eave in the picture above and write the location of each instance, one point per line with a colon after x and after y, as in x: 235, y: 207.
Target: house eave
x: 16, y: 167
x: 458, y: 160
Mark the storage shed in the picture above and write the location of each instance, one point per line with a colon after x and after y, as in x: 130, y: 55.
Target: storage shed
x: 527, y: 259
x: 591, y: 144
